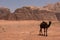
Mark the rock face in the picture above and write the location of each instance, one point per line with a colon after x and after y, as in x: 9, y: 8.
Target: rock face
x: 57, y: 7
x: 4, y: 13
x: 12, y: 16
x: 27, y: 13
x: 58, y: 16
x: 54, y: 7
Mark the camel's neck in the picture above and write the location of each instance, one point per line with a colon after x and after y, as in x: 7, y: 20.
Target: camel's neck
x: 49, y: 24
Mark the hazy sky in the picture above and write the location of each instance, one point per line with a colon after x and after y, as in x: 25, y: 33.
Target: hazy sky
x: 13, y: 4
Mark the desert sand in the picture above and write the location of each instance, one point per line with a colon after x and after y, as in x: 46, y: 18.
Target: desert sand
x: 27, y: 30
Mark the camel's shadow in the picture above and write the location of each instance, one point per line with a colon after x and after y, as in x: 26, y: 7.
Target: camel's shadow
x: 41, y: 35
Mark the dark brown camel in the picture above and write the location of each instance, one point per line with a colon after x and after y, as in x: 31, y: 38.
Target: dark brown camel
x: 44, y: 26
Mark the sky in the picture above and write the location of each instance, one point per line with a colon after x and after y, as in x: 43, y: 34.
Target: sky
x: 14, y: 4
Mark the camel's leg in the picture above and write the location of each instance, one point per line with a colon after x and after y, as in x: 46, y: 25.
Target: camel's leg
x: 46, y: 31
x: 40, y: 31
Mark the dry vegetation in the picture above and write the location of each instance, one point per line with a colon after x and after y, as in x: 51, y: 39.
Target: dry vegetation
x: 27, y: 30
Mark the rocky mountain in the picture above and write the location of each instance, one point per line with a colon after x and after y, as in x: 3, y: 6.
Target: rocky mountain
x: 4, y: 13
x: 32, y: 13
x: 49, y: 12
x: 54, y: 7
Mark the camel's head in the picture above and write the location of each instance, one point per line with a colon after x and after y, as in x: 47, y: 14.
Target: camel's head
x: 49, y: 22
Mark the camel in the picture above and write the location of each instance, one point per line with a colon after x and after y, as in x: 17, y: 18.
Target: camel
x: 44, y: 26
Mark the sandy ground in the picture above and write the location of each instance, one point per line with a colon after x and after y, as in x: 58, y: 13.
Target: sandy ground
x: 27, y: 30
